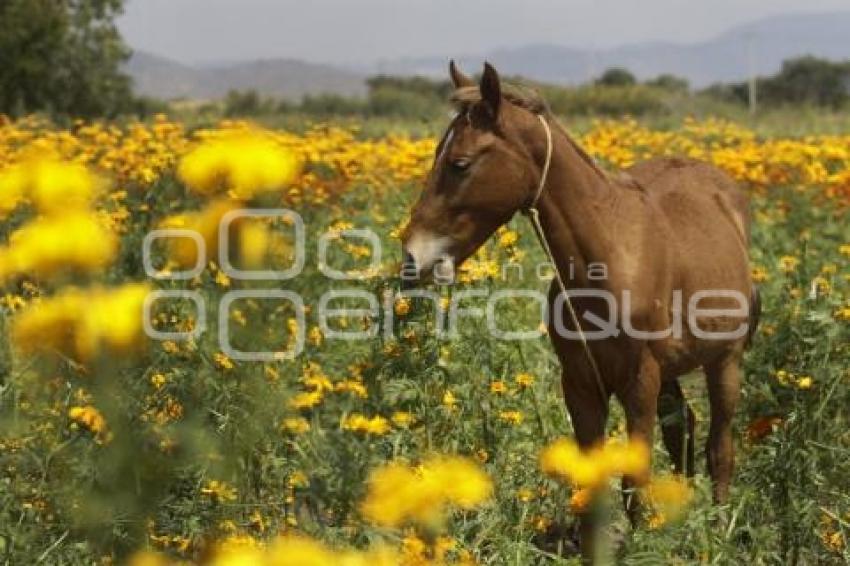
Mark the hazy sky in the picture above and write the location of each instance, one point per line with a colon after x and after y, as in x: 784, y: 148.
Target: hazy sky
x: 366, y: 31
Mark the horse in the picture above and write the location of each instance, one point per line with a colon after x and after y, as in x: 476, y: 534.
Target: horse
x: 669, y: 230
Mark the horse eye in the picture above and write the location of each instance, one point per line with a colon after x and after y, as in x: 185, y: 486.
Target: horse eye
x: 461, y: 163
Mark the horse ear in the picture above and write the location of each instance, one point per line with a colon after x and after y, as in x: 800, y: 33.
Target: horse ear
x: 458, y: 78
x: 491, y: 88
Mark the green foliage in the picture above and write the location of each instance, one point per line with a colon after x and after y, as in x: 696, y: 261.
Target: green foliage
x: 805, y: 81
x: 63, y: 57
x: 634, y: 100
x: 670, y: 83
x: 332, y: 105
x: 809, y: 80
x: 616, y: 76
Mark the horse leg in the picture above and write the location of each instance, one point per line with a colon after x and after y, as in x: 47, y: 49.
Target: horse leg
x: 677, y: 426
x: 640, y: 402
x: 723, y: 379
x: 588, y: 413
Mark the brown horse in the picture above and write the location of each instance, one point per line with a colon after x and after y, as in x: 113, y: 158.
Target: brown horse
x: 663, y: 228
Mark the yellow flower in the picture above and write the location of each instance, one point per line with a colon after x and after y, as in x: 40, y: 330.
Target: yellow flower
x: 788, y: 263
x: 219, y: 491
x: 315, y: 336
x: 657, y: 520
x: 90, y: 418
x: 242, y: 162
x: 352, y: 386
x: 50, y: 245
x: 759, y: 274
x: 402, y: 306
x: 498, y: 387
x: 296, y: 425
x: 591, y: 469
x: 580, y: 500
x: 158, y: 380
x: 83, y: 323
x: 804, y: 382
x: 147, y: 558
x: 508, y: 238
x: 669, y: 496
x: 55, y: 187
x: 399, y: 494
x: 449, y: 400
x: 306, y: 400
x: 524, y: 380
x: 524, y: 494
x: 356, y: 422
x: 206, y: 222
x: 255, y: 241
x: 222, y: 361
x: 511, y: 417
x: 402, y: 419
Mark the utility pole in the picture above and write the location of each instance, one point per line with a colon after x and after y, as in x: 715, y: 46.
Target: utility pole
x: 753, y: 83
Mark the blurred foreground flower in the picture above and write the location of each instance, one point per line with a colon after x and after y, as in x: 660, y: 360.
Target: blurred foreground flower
x: 243, y: 162
x: 50, y: 245
x: 295, y: 550
x: 669, y: 497
x: 53, y: 186
x: 563, y: 459
x: 184, y: 251
x: 82, y: 323
x: 399, y: 494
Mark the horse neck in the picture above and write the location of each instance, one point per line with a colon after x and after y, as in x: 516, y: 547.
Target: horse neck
x: 575, y: 211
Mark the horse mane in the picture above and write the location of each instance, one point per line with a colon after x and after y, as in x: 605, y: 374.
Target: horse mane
x: 467, y: 96
x: 463, y: 98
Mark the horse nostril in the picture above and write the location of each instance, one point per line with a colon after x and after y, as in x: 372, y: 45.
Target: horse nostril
x: 409, y: 272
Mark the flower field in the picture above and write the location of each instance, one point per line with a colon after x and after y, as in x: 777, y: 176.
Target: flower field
x: 403, y: 448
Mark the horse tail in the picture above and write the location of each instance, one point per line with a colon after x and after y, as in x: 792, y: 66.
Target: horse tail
x: 755, y: 313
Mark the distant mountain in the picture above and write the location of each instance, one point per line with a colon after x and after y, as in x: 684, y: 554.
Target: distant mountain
x: 724, y: 58
x: 285, y: 78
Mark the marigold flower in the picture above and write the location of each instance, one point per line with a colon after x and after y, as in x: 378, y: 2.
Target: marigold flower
x: 242, y: 162
x: 399, y: 494
x: 82, y: 323
x: 356, y: 422
x: 402, y: 419
x: 788, y: 263
x: 590, y: 469
x: 90, y: 418
x: 759, y: 274
x: 402, y: 306
x: 580, y: 500
x: 306, y: 400
x: 296, y: 425
x: 52, y: 245
x: 449, y: 400
x: 54, y: 186
x: 206, y: 222
x: 511, y: 417
x: 219, y: 491
x: 669, y: 496
x: 524, y: 380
